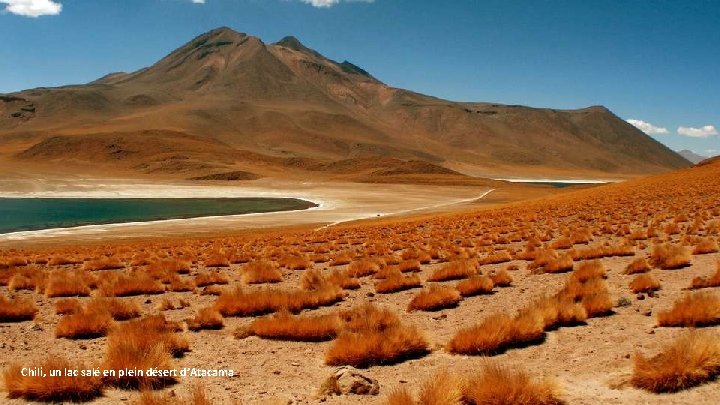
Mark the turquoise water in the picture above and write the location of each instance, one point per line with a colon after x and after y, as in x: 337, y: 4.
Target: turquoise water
x: 28, y: 214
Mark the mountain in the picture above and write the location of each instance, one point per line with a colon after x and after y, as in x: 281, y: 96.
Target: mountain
x: 692, y: 156
x: 227, y: 102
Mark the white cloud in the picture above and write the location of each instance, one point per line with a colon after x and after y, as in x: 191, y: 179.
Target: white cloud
x: 647, y: 127
x: 198, y: 1
x: 32, y: 8
x: 702, y: 132
x: 330, y: 3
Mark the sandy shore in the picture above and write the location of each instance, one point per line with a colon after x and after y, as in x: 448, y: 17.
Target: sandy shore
x: 338, y: 203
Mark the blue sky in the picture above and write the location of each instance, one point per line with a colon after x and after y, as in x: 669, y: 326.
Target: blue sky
x: 655, y: 62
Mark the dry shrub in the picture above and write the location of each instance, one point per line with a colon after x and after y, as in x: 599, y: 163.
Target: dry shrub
x: 17, y: 310
x: 217, y: 259
x: 475, y: 285
x: 639, y: 265
x: 555, y: 311
x: 294, y: 262
x: 341, y: 259
x: 696, y: 309
x: 549, y: 261
x: 66, y: 284
x: 206, y: 319
x: 143, y: 344
x: 442, y: 389
x: 211, y: 278
x: 119, y: 309
x: 644, y: 283
x: 178, y: 284
x: 496, y: 258
x: 397, y: 283
x: 27, y: 279
x: 64, y: 261
x: 135, y: 283
x: 362, y: 268
x: 373, y: 336
x: 196, y: 395
x: 342, y: 280
x: 496, y: 334
x: 669, y: 257
x: 260, y: 272
x: 52, y: 389
x: 409, y: 266
x: 692, y: 359
x: 67, y: 306
x: 88, y: 323
x: 435, y: 298
x: 706, y: 246
x: 501, y: 278
x: 500, y: 385
x: 284, y: 326
x: 105, y: 263
x: 593, y: 294
x: 400, y: 396
x: 240, y: 302
x: 588, y: 270
x: 705, y: 282
x: 456, y: 270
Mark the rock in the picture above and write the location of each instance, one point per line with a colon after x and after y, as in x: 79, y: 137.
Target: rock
x: 648, y: 312
x: 623, y: 302
x: 640, y: 296
x: 348, y: 380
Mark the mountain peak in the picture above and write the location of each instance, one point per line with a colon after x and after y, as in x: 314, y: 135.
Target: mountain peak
x: 293, y: 43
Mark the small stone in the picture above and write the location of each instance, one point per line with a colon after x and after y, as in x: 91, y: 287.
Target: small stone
x: 640, y: 296
x: 648, y: 312
x: 348, y: 380
x: 652, y: 332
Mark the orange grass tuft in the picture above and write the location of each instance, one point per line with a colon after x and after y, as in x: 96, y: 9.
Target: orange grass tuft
x: 705, y: 282
x: 696, y: 309
x: 373, y: 336
x: 496, y: 334
x: 397, y: 282
x: 85, y: 324
x: 454, y: 271
x: 362, y: 268
x: 501, y: 278
x: 639, y: 265
x: 135, y: 283
x: 706, y: 246
x: 644, y: 283
x: 260, y: 272
x: 206, y: 319
x: 669, y: 257
x: 17, y: 310
x: 498, y: 384
x: 475, y: 285
x: 142, y: 344
x: 284, y: 326
x: 241, y: 302
x: 66, y: 284
x: 692, y: 359
x: 435, y: 298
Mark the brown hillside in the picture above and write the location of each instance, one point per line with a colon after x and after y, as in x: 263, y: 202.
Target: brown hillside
x: 225, y: 92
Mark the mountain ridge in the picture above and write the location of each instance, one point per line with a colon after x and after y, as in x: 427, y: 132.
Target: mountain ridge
x: 287, y: 100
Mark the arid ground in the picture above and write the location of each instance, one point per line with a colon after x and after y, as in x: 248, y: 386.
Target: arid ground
x: 580, y: 288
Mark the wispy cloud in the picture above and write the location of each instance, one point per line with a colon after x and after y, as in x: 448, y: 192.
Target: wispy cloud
x: 647, y: 127
x: 702, y: 132
x: 32, y: 8
x: 198, y: 1
x: 330, y: 3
